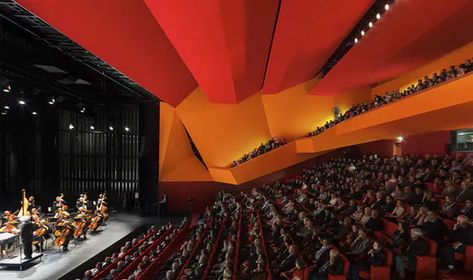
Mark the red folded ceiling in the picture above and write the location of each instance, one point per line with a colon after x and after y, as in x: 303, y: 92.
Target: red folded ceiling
x: 409, y: 35
x: 307, y: 33
x: 125, y: 34
x: 224, y: 43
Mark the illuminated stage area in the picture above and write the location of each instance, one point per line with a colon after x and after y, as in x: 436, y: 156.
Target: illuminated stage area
x: 55, y: 264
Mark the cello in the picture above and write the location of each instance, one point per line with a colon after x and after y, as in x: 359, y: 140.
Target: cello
x: 63, y: 235
x: 80, y: 226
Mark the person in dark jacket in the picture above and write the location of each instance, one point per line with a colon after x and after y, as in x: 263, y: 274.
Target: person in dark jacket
x: 417, y: 247
x: 26, y: 233
x: 460, y: 237
x: 333, y: 266
x: 375, y: 223
x: 434, y: 228
x: 376, y: 256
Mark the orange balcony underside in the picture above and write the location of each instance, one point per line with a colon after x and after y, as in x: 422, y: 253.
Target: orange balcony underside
x: 445, y: 107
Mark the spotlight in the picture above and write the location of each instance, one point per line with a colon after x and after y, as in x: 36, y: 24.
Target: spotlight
x: 378, y: 16
x: 52, y: 101
x: 82, y: 110
x: 362, y: 33
x: 71, y: 126
x: 7, y: 88
x: 21, y: 102
x: 6, y: 107
x: 110, y: 128
x: 127, y: 128
x: 356, y: 40
x: 370, y: 24
x: 92, y: 127
x: 4, y: 113
x: 386, y: 7
x: 34, y: 113
x: 400, y: 139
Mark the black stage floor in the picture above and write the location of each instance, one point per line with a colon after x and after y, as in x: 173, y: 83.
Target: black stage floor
x: 55, y: 264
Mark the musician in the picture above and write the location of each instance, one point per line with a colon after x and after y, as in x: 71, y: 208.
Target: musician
x: 57, y: 204
x: 63, y: 224
x: 31, y: 203
x: 41, y: 232
x: 26, y: 234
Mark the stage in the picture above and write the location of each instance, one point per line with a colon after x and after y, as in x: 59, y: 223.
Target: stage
x: 55, y: 264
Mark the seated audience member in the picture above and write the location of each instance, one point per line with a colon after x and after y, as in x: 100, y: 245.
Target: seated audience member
x: 375, y: 223
x: 449, y: 208
x: 467, y: 209
x: 433, y: 227
x: 376, y: 257
x: 389, y: 205
x: 297, y: 273
x: 400, y: 238
x: 398, y: 211
x: 333, y: 266
x: 290, y: 260
x: 457, y: 239
x: 418, y: 246
x: 466, y: 192
x: 360, y: 245
x: 430, y: 201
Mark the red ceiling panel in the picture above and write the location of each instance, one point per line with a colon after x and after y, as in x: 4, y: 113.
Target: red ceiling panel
x: 307, y: 33
x: 225, y: 43
x: 409, y: 35
x: 125, y: 34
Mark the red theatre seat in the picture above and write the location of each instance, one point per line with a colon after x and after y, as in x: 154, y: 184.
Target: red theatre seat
x: 342, y: 276
x: 427, y: 265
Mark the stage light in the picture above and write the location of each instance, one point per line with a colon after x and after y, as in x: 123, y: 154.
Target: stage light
x: 110, y: 128
x: 7, y: 88
x: 92, y: 127
x: 362, y: 33
x: 4, y: 113
x: 6, y: 107
x: 34, y: 113
x: 370, y: 24
x: 400, y: 139
x: 386, y: 7
x: 356, y: 40
x: 378, y: 16
x: 71, y: 126
x: 127, y: 128
x: 82, y: 110
x: 21, y: 102
x: 52, y: 101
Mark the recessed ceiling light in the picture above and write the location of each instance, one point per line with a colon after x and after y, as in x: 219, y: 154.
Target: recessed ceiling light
x: 362, y: 33
x: 370, y: 24
x: 378, y: 16
x: 386, y: 7
x: 21, y: 102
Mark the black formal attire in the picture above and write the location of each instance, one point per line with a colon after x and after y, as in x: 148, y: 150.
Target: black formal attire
x: 26, y: 234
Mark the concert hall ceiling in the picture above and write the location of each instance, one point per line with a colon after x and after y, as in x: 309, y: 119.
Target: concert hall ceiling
x: 233, y: 49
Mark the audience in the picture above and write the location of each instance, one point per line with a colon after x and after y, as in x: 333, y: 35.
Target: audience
x: 263, y: 148
x: 328, y: 220
x: 388, y: 97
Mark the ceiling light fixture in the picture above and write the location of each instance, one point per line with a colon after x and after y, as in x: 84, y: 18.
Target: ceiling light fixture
x: 386, y: 7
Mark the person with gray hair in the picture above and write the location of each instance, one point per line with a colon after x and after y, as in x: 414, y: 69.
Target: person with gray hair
x: 418, y: 246
x: 460, y: 237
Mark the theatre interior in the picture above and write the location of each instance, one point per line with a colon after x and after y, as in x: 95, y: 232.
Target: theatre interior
x: 236, y: 139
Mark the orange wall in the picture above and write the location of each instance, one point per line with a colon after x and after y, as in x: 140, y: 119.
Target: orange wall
x: 292, y: 113
x: 224, y: 132
x: 454, y: 58
x: 176, y: 159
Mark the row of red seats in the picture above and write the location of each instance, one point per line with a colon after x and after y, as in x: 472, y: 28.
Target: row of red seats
x: 215, y: 247
x: 165, y: 254
x: 263, y: 243
x: 130, y: 268
x: 237, y: 246
x: 196, y: 246
x: 130, y: 251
